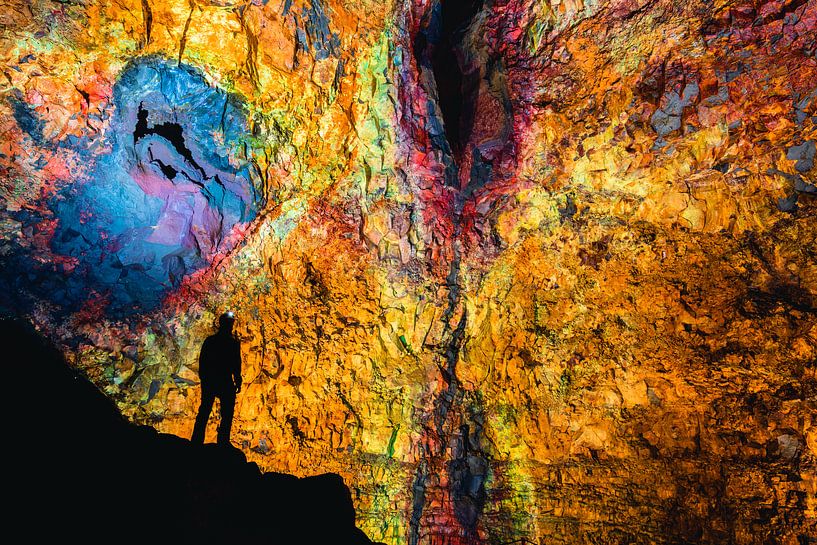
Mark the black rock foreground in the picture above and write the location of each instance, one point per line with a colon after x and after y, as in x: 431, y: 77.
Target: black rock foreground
x: 78, y: 472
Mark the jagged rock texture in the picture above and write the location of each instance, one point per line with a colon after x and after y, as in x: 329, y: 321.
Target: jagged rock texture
x: 113, y: 481
x: 518, y: 270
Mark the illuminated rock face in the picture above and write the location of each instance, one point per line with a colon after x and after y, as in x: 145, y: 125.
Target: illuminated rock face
x: 518, y: 270
x: 159, y: 204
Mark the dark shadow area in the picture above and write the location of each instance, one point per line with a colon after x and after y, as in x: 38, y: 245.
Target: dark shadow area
x: 456, y: 89
x: 172, y: 132
x: 81, y: 473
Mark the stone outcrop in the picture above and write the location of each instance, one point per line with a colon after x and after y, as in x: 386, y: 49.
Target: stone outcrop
x: 79, y: 472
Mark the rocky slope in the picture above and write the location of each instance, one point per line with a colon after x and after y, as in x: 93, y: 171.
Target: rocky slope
x: 81, y: 473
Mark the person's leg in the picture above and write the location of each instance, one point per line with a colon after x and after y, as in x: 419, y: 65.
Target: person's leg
x: 200, y: 427
x: 227, y: 406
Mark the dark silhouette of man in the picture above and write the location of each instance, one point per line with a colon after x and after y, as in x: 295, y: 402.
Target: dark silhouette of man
x: 220, y: 374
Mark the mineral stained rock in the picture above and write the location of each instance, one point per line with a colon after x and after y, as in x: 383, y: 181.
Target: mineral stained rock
x: 196, y: 495
x: 520, y: 271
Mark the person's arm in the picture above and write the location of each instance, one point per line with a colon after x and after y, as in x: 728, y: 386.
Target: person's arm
x: 203, y: 363
x: 236, y: 370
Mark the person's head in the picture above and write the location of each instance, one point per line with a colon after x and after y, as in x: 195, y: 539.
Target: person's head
x: 226, y: 321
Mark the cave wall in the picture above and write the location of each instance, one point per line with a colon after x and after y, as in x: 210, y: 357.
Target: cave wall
x: 519, y: 270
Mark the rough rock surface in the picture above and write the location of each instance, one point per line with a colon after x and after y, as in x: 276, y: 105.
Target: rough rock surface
x: 518, y: 270
x: 96, y: 478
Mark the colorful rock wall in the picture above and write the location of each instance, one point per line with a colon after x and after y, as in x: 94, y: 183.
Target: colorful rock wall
x: 522, y: 271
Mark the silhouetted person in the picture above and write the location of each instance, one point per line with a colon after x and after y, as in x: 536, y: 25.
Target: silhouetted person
x: 220, y: 373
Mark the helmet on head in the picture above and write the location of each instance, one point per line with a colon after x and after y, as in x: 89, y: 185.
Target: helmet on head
x: 226, y: 320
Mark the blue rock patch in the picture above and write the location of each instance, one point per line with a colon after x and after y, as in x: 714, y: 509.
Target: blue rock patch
x: 161, y: 202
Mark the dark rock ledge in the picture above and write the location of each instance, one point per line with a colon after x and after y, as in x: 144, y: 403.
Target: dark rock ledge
x: 76, y: 471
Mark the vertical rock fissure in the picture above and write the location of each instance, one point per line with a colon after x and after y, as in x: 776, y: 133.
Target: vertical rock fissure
x: 183, y: 41
x: 454, y: 86
x: 439, y: 46
x: 418, y: 499
x: 453, y: 415
x: 443, y: 53
x: 147, y: 15
x: 443, y: 402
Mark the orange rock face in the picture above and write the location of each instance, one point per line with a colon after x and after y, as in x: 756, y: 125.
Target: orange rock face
x: 520, y: 271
